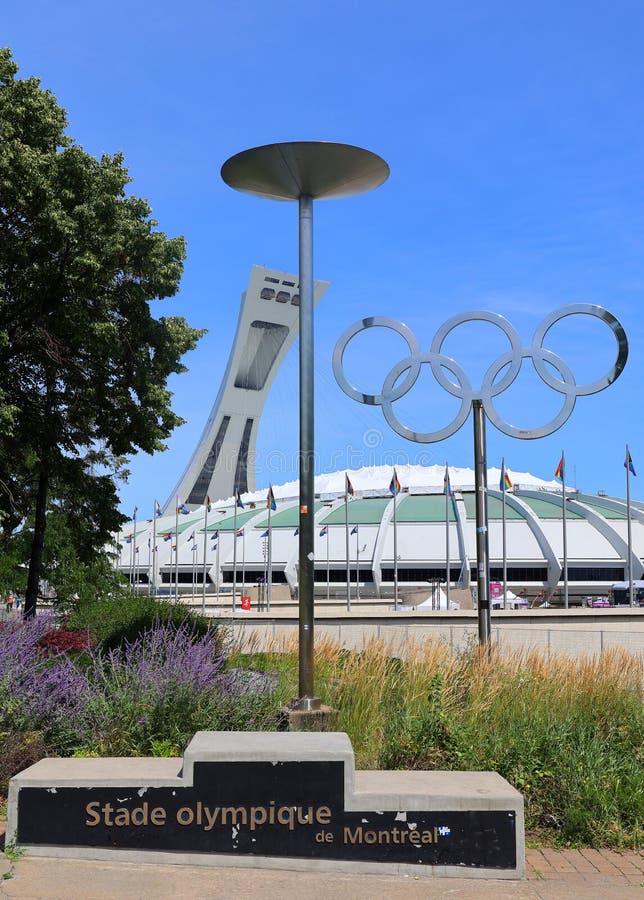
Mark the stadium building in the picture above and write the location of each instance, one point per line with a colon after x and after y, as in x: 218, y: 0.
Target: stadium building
x: 426, y: 519
x: 177, y: 554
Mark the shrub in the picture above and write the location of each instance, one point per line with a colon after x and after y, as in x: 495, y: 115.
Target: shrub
x: 119, y: 620
x: 62, y: 640
x: 39, y: 691
x: 152, y: 694
x: 18, y: 750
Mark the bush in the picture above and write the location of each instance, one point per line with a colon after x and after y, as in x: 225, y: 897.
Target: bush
x: 18, y: 751
x: 151, y: 695
x: 39, y: 690
x: 119, y: 620
x: 62, y: 640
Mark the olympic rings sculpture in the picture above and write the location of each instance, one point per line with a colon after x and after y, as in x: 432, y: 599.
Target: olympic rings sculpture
x: 404, y: 374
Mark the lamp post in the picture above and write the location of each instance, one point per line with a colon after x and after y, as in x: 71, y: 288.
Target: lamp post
x: 305, y: 171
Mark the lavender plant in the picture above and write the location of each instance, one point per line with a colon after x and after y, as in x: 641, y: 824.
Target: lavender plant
x: 39, y: 691
x: 162, y: 687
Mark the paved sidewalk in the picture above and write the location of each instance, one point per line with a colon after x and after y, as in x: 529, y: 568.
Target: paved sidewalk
x: 552, y: 875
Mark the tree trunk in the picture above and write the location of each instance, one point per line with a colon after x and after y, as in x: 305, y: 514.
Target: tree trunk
x: 38, y: 542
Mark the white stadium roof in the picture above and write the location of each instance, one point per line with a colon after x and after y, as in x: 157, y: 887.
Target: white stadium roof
x: 596, y: 533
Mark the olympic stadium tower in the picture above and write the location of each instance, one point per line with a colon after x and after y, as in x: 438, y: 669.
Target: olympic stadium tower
x: 268, y: 323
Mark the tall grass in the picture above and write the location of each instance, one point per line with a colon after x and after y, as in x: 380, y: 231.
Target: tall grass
x: 567, y: 732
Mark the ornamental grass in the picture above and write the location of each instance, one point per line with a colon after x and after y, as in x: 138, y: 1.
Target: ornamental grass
x: 567, y: 732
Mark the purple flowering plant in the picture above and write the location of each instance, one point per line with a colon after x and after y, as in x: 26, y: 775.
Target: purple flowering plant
x: 39, y: 690
x: 155, y: 691
x: 164, y: 686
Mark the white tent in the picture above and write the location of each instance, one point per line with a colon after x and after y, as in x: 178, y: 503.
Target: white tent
x: 436, y: 600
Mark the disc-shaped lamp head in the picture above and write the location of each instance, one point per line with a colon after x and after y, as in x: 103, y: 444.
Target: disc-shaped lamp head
x: 316, y: 169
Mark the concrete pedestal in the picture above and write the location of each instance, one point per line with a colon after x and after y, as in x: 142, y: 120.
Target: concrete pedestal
x: 274, y: 800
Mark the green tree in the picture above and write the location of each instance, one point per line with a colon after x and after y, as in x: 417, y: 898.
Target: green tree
x: 84, y: 363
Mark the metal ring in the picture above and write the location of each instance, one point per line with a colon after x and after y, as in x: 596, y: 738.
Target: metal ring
x: 428, y: 437
x: 479, y: 315
x: 561, y: 417
x: 544, y: 361
x: 588, y: 309
x: 350, y: 333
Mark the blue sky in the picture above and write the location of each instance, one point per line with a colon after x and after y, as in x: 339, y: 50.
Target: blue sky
x: 515, y: 137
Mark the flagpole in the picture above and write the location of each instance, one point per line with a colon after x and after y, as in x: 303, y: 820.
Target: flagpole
x: 328, y: 590
x: 243, y: 587
x: 448, y: 489
x: 346, y: 535
x: 153, y: 584
x: 135, y: 563
x: 357, y: 562
x: 217, y: 565
x: 261, y: 597
x: 194, y: 568
x: 395, y: 552
x: 565, y: 534
x: 631, y: 593
x: 235, y: 556
x: 269, y: 577
x: 505, y: 549
x: 205, y: 547
x: 131, y: 572
x: 149, y: 567
x: 176, y: 550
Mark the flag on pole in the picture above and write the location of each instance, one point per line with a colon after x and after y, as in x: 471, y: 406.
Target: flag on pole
x: 628, y: 463
x: 504, y: 482
x: 214, y: 535
x: 354, y: 530
x: 559, y: 474
x: 192, y: 537
x: 348, y: 487
x: 157, y: 509
x: 324, y: 531
x: 264, y: 534
x: 208, y: 504
x: 238, y: 500
x: 394, y: 486
x: 183, y: 509
x: 128, y: 539
x: 296, y: 532
x: 166, y: 535
x: 270, y: 499
x: 447, y: 487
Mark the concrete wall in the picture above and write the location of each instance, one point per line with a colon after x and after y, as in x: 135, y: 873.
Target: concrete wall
x: 575, y: 635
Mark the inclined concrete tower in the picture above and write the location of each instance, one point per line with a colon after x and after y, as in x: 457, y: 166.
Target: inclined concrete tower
x: 268, y: 323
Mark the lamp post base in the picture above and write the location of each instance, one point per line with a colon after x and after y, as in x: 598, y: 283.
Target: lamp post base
x: 309, y: 714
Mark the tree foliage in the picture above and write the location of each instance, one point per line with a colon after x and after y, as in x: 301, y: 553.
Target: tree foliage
x: 84, y: 363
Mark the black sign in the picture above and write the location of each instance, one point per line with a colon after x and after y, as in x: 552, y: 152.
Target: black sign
x: 286, y: 809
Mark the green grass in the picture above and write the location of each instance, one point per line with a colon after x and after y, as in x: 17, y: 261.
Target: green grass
x: 568, y: 733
